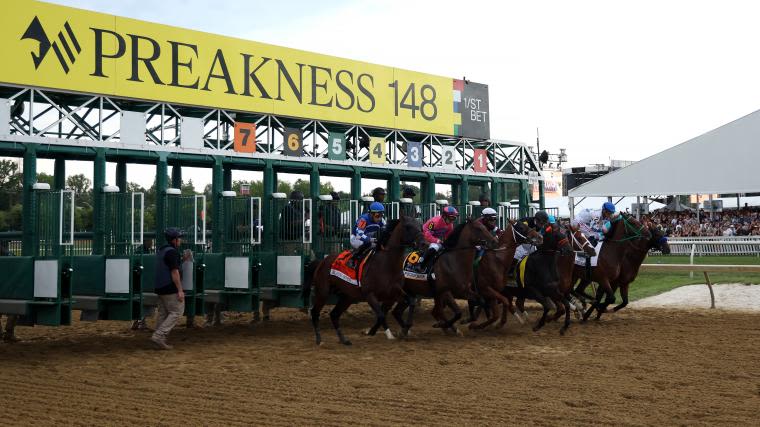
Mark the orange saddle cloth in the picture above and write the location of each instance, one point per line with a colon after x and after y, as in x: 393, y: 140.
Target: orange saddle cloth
x: 342, y: 269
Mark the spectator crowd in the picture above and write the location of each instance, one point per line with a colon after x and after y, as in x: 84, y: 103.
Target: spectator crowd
x: 742, y: 222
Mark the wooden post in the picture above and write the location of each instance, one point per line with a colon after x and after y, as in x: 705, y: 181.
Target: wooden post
x: 712, y: 294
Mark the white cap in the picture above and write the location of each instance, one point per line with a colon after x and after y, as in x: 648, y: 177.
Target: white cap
x: 173, y: 191
x: 229, y: 194
x: 488, y: 211
x: 279, y: 195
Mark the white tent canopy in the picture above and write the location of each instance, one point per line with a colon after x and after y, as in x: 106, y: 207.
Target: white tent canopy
x: 724, y: 160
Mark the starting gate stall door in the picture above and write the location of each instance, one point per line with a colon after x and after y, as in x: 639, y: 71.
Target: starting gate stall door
x: 187, y: 214
x: 292, y: 245
x: 38, y: 287
x: 109, y: 286
x: 336, y: 219
x: 429, y: 210
x: 240, y: 253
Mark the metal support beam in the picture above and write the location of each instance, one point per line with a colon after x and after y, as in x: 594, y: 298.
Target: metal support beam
x: 541, y: 198
x: 98, y: 202
x: 162, y: 183
x: 495, y: 192
x: 227, y: 184
x: 121, y: 176
x: 356, y: 184
x: 217, y: 178
x: 28, y: 209
x: 524, y: 198
x: 428, y: 189
x: 394, y: 186
x: 176, y: 176
x: 270, y: 186
x: 59, y: 174
x: 464, y: 191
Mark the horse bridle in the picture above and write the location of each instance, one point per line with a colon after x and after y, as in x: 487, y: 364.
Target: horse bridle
x: 576, y: 241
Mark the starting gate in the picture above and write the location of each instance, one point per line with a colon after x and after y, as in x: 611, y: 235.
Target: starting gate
x: 232, y: 271
x: 108, y: 284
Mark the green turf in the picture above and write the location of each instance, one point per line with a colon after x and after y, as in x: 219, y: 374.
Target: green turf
x: 648, y: 284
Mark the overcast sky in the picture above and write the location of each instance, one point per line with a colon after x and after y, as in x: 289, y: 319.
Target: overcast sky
x: 604, y: 79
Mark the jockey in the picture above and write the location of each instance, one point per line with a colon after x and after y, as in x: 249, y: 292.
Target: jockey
x: 587, y: 221
x: 609, y: 216
x: 539, y: 222
x: 488, y: 217
x: 363, y: 234
x: 435, y: 231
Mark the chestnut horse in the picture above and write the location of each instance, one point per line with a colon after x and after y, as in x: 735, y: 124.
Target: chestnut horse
x: 492, y: 274
x: 381, y: 281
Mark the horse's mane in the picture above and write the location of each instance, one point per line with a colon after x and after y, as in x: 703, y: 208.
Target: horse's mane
x: 384, y: 234
x: 453, y: 238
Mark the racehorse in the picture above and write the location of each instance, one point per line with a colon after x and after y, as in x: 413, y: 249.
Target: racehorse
x: 492, y: 271
x: 566, y: 268
x: 451, y: 276
x: 381, y: 279
x: 619, y: 262
x: 540, y: 280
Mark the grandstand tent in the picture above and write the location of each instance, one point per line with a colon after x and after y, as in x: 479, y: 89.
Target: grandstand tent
x: 722, y: 161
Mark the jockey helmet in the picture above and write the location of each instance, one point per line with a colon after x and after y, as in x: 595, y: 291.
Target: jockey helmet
x: 376, y: 207
x: 172, y: 233
x: 488, y: 213
x: 542, y: 217
x: 609, y: 207
x: 449, y: 211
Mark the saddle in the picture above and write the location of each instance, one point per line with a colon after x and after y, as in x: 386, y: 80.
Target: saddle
x: 348, y: 270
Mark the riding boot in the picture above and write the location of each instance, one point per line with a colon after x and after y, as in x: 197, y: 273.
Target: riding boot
x: 424, y: 261
x: 511, y: 271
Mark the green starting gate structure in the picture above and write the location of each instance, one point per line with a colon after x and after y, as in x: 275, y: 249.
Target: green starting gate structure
x: 238, y: 261
x: 108, y: 283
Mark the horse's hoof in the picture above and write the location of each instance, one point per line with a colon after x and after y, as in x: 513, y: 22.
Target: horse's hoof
x: 458, y: 332
x: 346, y: 342
x: 367, y: 331
x: 437, y: 325
x: 562, y: 331
x: 389, y: 334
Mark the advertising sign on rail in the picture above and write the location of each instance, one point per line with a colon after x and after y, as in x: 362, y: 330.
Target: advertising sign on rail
x: 58, y: 47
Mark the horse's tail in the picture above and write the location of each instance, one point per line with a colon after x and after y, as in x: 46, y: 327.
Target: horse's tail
x: 308, y: 280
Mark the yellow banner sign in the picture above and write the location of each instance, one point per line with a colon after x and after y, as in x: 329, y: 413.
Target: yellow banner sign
x: 58, y: 47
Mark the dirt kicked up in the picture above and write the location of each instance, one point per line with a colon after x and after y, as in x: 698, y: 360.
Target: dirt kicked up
x: 638, y: 367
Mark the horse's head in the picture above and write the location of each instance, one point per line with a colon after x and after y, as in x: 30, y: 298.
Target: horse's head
x: 521, y: 233
x: 554, y: 240
x: 579, y: 241
x: 658, y: 238
x: 470, y: 234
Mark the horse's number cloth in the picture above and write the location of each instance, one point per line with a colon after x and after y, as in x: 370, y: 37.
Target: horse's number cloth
x: 410, y: 266
x: 581, y: 259
x: 520, y: 271
x: 348, y: 274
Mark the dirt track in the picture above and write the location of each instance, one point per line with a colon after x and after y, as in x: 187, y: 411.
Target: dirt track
x: 637, y: 367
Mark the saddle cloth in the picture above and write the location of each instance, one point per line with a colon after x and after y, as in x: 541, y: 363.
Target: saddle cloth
x: 410, y: 267
x: 348, y: 274
x: 581, y: 260
x: 520, y: 271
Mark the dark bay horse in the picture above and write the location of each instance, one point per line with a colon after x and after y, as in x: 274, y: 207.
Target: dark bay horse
x: 619, y: 261
x: 452, y: 276
x: 381, y: 281
x: 566, y: 269
x: 541, y: 278
x: 649, y: 237
x: 492, y: 273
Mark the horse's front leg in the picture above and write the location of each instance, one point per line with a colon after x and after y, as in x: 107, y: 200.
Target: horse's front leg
x: 624, y: 296
x: 452, y: 304
x: 541, y: 299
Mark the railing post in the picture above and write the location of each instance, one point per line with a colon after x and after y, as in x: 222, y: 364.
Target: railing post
x: 691, y: 259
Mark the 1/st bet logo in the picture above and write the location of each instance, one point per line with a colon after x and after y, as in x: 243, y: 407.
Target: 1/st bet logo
x: 62, y: 45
